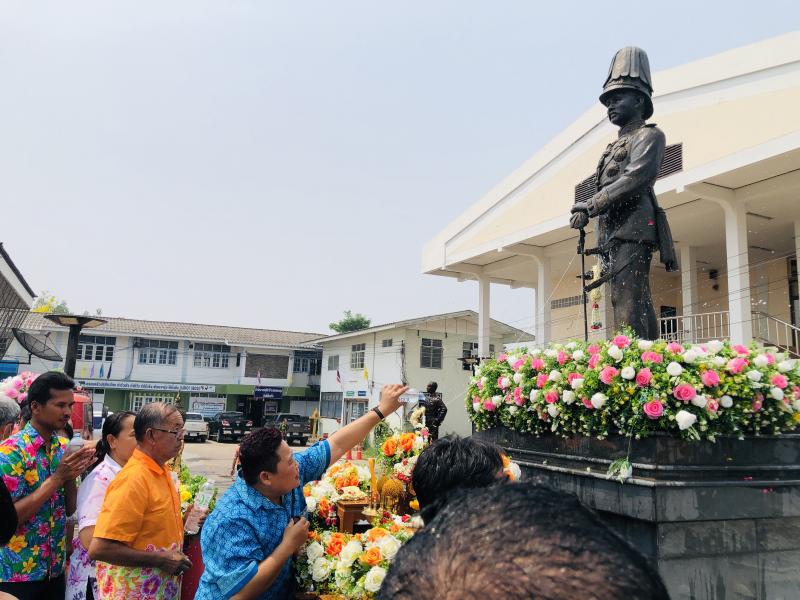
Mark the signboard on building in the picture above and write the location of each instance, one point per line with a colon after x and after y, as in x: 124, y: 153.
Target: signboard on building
x: 268, y: 392
x: 207, y: 407
x: 146, y: 386
x: 362, y: 393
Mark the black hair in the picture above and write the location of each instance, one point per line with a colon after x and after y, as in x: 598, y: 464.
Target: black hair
x: 41, y: 388
x: 519, y: 541
x: 111, y: 426
x: 258, y: 452
x: 8, y: 515
x: 452, y: 463
x: 69, y: 430
x: 151, y: 415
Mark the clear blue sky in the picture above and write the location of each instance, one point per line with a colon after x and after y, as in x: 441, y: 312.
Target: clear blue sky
x: 271, y: 164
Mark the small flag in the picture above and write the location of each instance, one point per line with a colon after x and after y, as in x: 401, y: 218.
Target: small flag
x: 102, y: 371
x: 83, y: 372
x: 258, y: 376
x: 108, y: 375
x: 338, y: 377
x: 366, y: 374
x: 91, y: 375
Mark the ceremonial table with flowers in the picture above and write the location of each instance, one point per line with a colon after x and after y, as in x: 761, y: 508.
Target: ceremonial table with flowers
x: 690, y: 451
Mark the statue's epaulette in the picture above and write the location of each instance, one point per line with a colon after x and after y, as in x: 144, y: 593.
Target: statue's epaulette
x: 651, y: 124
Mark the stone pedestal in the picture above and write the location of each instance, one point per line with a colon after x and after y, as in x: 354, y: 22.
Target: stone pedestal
x: 721, y: 521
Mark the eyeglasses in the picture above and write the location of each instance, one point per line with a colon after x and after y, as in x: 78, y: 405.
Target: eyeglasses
x: 177, y: 433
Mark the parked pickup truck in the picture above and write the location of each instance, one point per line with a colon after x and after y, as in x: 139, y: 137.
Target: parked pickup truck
x: 229, y: 426
x: 195, y: 428
x: 296, y: 427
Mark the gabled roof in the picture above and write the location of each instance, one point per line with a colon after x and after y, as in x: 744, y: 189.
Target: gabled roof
x: 470, y: 315
x: 17, y: 281
x: 221, y: 334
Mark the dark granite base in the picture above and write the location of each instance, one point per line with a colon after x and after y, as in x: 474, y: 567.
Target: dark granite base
x: 721, y: 521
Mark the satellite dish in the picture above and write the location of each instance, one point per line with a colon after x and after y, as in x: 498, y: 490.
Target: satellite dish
x: 38, y: 346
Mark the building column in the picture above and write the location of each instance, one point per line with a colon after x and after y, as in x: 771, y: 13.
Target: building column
x: 484, y: 330
x: 544, y: 289
x: 797, y: 253
x: 739, y: 309
x: 689, y: 291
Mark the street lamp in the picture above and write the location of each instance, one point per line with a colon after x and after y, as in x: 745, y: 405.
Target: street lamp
x: 75, y: 323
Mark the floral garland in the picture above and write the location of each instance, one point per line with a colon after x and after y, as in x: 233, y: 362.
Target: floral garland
x: 352, y: 566
x: 637, y: 387
x: 16, y: 387
x: 399, y: 453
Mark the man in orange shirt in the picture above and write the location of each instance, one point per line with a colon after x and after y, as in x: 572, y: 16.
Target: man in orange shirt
x: 139, y: 533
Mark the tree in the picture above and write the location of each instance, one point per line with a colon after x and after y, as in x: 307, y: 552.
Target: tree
x: 350, y: 322
x: 48, y: 303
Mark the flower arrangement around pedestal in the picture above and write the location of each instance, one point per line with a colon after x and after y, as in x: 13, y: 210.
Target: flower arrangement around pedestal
x: 16, y: 387
x: 637, y: 387
x: 342, y: 481
x: 352, y: 566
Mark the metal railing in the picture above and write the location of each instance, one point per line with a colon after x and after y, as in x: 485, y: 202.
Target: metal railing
x: 695, y: 328
x: 776, y: 332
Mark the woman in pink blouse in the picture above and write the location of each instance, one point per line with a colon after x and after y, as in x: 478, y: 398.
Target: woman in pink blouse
x: 113, y: 451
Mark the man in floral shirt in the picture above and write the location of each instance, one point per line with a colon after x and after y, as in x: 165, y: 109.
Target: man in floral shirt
x: 41, y: 481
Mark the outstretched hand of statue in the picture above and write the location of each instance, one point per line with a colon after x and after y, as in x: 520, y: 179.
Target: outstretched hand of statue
x: 579, y: 220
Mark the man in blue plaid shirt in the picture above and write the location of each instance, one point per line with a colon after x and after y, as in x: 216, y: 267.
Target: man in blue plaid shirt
x: 258, y: 524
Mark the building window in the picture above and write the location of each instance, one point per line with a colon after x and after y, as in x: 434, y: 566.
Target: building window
x: 300, y: 365
x: 158, y: 352
x: 96, y: 348
x: 470, y: 349
x: 430, y: 355
x: 138, y: 400
x: 211, y: 356
x: 386, y: 343
x: 330, y: 405
x: 357, y: 353
x: 314, y: 366
x: 333, y: 363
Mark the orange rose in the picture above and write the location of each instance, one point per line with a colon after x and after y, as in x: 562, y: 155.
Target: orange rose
x: 395, y: 528
x: 376, y: 533
x: 334, y: 546
x: 313, y: 535
x: 372, y: 556
x: 324, y: 506
x: 407, y: 442
x: 307, y: 491
x: 389, y: 447
x: 506, y: 460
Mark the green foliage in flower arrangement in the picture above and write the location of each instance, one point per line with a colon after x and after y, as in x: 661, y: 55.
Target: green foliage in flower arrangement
x: 637, y: 387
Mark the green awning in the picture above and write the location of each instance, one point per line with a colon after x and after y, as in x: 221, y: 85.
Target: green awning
x: 301, y: 392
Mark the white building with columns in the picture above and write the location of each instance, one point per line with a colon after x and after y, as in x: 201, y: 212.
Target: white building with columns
x: 730, y: 185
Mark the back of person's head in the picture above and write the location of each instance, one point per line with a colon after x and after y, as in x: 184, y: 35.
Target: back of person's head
x: 40, y: 390
x: 451, y: 463
x: 111, y: 426
x: 258, y: 452
x: 9, y: 413
x: 151, y: 416
x: 8, y: 515
x: 517, y: 541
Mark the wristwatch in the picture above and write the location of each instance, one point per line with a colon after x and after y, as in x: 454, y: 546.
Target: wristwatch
x: 378, y: 412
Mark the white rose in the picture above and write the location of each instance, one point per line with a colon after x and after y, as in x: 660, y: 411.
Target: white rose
x: 505, y: 383
x: 343, y: 574
x: 311, y: 504
x: 552, y: 410
x: 374, y: 579
x: 419, y: 443
x: 536, y: 352
x: 568, y: 396
x: 577, y: 383
x: 535, y: 395
x: 314, y: 551
x: 796, y: 405
x: 512, y: 410
x: 690, y: 356
x: 699, y: 400
x: 476, y: 406
x: 484, y: 380
x: 761, y: 361
x: 599, y: 399
x: 719, y: 361
x: 320, y: 569
x: 776, y: 393
x: 389, y: 546
x: 786, y: 365
x: 674, y: 369
x: 571, y: 346
x: 517, y: 377
x: 685, y: 419
x: 478, y: 372
x: 350, y: 552
x: 516, y: 472
x: 628, y: 373
x: 644, y: 345
x: 497, y: 400
x: 726, y: 401
x: 578, y: 355
x: 511, y: 359
x: 714, y: 346
x: 550, y: 353
x: 554, y: 375
x: 754, y: 375
x: 615, y: 353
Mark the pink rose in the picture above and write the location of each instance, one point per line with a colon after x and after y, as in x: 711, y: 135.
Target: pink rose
x: 674, y: 347
x: 562, y: 357
x: 541, y: 380
x: 607, y: 375
x: 710, y: 379
x: 518, y: 399
x: 780, y: 381
x: 712, y: 406
x: 770, y: 359
x: 644, y: 377
x: 652, y: 357
x: 18, y: 383
x: 621, y: 341
x: 502, y: 356
x: 518, y: 364
x: 12, y: 393
x: 653, y: 409
x: 551, y: 396
x: 489, y: 405
x: 537, y: 364
x: 735, y: 365
x: 739, y: 349
x: 758, y: 402
x: 684, y: 392
x: 593, y: 349
x: 22, y: 397
x: 796, y: 392
x: 479, y: 384
x: 573, y: 376
x: 594, y: 360
x: 586, y: 402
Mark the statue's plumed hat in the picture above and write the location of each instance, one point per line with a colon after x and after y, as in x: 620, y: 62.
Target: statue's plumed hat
x: 630, y: 70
